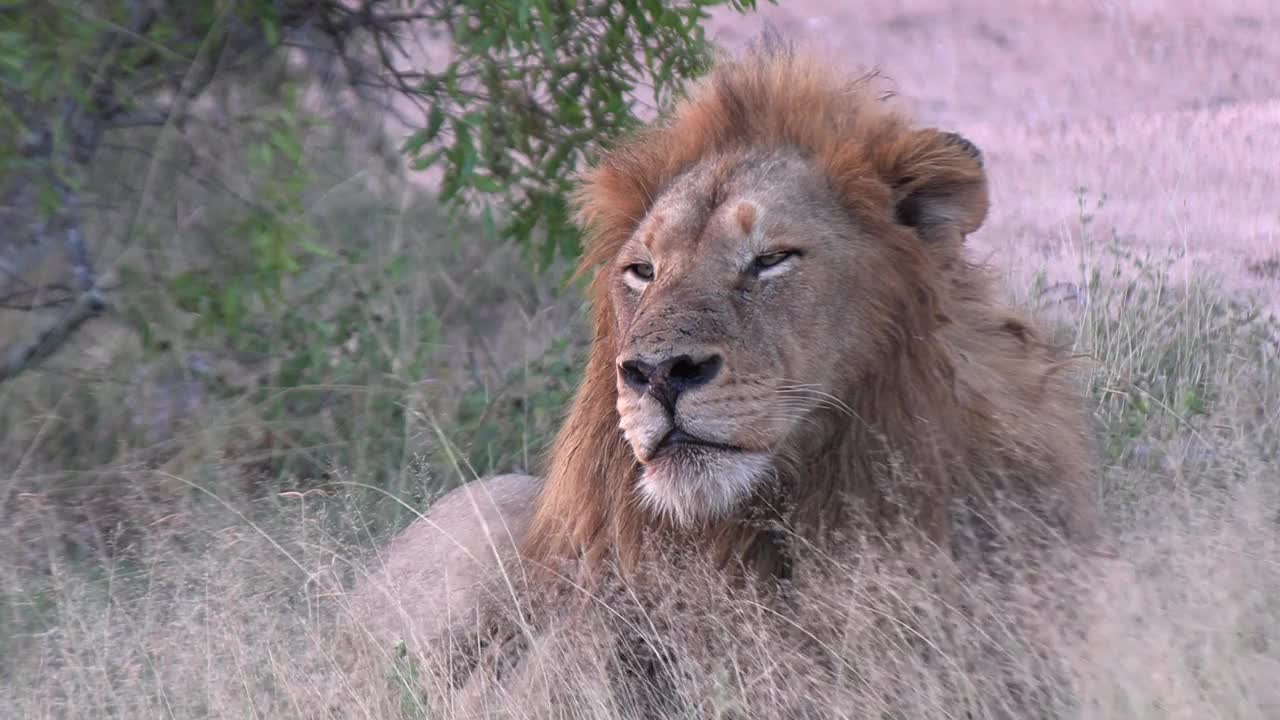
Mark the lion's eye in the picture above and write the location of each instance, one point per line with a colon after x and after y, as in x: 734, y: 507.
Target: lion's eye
x: 640, y: 271
x: 771, y: 260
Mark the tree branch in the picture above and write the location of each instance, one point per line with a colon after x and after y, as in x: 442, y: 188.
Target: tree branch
x: 81, y: 128
x: 31, y: 298
x: 20, y: 359
x: 78, y: 252
x: 89, y: 302
x: 140, y: 118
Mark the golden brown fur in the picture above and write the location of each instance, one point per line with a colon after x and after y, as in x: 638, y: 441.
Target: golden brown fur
x: 954, y: 407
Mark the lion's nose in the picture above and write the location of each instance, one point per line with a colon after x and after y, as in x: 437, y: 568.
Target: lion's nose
x: 671, y: 377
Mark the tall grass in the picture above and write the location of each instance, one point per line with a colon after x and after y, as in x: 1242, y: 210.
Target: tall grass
x: 204, y: 568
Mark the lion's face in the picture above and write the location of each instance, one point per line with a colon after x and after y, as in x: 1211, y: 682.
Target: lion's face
x: 740, y: 301
x: 779, y: 292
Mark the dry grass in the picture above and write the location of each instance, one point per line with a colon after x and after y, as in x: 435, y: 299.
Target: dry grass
x: 218, y: 603
x: 180, y: 539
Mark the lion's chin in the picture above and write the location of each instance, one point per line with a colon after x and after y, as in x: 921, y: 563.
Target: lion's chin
x: 697, y: 485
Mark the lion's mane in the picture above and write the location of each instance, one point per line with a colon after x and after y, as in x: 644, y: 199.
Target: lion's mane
x: 976, y: 414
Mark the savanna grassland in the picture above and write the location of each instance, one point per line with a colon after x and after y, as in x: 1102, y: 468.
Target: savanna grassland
x: 183, y: 515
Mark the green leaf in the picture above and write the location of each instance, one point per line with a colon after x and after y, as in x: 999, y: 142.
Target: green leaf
x: 490, y: 227
x: 398, y: 268
x: 314, y: 249
x: 287, y: 144
x: 271, y: 30
x: 545, y: 22
x: 260, y: 156
x: 414, y: 143
x: 232, y: 306
x: 435, y: 120
x: 426, y: 161
x: 486, y: 183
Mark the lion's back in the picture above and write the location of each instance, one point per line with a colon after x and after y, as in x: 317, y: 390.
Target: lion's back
x: 450, y: 566
x: 1027, y: 423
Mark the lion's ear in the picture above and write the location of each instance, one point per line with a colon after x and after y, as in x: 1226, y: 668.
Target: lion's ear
x: 939, y: 185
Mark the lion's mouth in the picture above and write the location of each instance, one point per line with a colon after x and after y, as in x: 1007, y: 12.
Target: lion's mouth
x: 678, y: 440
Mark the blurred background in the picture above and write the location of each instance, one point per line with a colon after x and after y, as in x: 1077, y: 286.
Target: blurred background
x: 274, y: 274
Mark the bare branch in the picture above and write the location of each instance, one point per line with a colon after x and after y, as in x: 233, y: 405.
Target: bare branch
x: 140, y: 118
x: 81, y: 128
x: 20, y: 359
x: 43, y: 297
x: 35, y: 298
x: 77, y: 251
x: 89, y: 302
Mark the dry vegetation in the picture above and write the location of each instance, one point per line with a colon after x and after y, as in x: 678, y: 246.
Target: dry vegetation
x: 174, y: 544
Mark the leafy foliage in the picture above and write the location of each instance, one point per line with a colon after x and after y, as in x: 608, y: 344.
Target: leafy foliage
x: 535, y: 85
x: 274, y: 233
x: 530, y: 88
x: 202, y: 153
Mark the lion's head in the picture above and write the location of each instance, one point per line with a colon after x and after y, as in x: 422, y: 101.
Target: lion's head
x: 783, y: 320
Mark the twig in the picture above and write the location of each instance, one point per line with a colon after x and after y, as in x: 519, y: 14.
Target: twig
x: 26, y: 298
x: 81, y: 129
x: 20, y: 359
x: 142, y: 118
x: 36, y: 298
x: 73, y: 132
x: 77, y: 251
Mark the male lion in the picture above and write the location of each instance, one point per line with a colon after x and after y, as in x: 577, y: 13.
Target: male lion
x: 789, y: 349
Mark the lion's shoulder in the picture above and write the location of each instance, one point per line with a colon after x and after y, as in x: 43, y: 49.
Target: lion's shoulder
x: 455, y: 561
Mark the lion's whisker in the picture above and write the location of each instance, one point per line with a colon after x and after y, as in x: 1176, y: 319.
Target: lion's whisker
x: 794, y: 389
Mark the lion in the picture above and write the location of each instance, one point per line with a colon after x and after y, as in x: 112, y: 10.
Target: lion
x: 789, y: 347
x: 782, y: 312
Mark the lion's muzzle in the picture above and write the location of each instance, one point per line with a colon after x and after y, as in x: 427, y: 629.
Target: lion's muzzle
x: 672, y: 410
x: 666, y: 379
x: 650, y: 388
